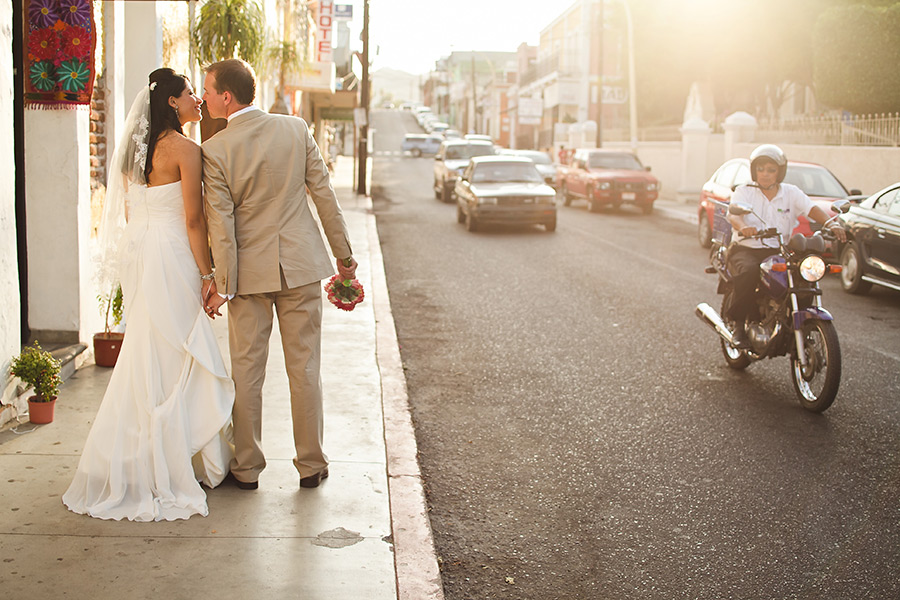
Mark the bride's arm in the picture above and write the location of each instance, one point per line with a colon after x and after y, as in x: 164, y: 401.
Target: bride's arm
x: 191, y: 166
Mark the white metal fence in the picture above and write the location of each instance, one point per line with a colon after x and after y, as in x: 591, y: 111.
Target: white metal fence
x: 836, y: 130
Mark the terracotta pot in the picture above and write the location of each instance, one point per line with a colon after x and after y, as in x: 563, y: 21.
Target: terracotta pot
x: 106, y: 348
x: 41, y: 412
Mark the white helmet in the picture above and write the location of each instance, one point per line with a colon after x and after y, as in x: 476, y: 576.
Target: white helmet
x: 768, y: 152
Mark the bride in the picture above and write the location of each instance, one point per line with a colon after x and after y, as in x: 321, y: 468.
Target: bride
x: 164, y: 422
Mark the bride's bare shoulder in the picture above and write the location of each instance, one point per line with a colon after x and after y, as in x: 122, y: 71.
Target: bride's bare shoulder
x: 179, y: 145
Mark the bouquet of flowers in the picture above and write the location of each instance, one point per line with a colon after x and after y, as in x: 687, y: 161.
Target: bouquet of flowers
x: 344, y: 293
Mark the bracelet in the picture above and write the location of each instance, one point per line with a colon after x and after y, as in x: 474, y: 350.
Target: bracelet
x: 208, y: 277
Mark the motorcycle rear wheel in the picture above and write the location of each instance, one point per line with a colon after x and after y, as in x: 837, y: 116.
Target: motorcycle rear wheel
x: 736, y: 359
x: 817, y: 383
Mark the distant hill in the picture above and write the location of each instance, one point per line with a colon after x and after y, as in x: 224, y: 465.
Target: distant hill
x: 391, y: 85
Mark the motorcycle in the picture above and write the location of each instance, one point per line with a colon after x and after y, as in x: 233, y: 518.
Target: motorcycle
x: 790, y: 319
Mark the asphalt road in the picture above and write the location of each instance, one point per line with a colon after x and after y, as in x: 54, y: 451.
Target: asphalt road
x: 581, y: 436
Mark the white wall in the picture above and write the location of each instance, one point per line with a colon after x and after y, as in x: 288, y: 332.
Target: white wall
x: 9, y: 272
x: 57, y: 180
x: 142, y: 47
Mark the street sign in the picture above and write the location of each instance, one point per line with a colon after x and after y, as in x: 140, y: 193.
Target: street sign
x: 614, y: 94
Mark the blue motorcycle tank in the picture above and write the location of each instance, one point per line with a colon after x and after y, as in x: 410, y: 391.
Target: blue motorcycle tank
x: 775, y: 282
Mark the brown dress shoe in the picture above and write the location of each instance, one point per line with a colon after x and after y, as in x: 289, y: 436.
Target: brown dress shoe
x: 314, y: 480
x: 244, y: 485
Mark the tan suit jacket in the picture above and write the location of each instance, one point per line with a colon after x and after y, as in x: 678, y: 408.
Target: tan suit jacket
x: 256, y: 174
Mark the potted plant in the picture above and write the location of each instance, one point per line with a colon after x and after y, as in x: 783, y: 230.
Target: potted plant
x: 108, y: 343
x: 37, y: 368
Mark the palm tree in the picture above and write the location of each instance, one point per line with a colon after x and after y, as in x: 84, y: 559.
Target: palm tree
x: 283, y: 59
x: 230, y: 29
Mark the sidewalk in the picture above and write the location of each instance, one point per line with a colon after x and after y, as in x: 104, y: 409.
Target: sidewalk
x: 677, y: 210
x: 362, y: 534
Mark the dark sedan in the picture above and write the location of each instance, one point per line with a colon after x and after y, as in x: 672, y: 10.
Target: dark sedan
x: 872, y: 253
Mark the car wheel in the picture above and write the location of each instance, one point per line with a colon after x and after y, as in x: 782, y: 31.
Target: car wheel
x: 852, y: 271
x: 416, y: 153
x: 704, y: 231
x: 647, y: 208
x: 564, y: 192
x: 460, y: 215
x: 593, y: 205
x: 471, y: 223
x: 550, y: 226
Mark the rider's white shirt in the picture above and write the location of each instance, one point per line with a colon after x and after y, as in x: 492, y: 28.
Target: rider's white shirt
x: 782, y: 211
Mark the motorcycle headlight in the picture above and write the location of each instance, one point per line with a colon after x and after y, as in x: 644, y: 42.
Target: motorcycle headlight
x: 812, y: 268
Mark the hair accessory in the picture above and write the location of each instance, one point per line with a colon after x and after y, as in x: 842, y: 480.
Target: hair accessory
x: 153, y: 86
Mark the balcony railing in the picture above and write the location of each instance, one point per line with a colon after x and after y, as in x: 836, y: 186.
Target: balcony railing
x: 836, y: 130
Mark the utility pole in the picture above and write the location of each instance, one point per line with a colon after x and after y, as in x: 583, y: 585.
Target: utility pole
x: 600, y: 76
x: 472, y: 127
x: 363, y: 153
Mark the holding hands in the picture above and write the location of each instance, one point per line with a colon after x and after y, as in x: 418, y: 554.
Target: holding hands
x: 211, y: 299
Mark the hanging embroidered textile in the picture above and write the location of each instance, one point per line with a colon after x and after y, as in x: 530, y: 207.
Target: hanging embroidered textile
x: 60, y: 38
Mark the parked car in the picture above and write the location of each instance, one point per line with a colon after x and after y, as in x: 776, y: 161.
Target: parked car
x: 541, y: 160
x: 449, y: 162
x: 477, y: 137
x: 418, y: 144
x: 438, y: 127
x: 504, y: 189
x: 452, y: 133
x: 872, y: 252
x: 607, y: 178
x: 815, y: 180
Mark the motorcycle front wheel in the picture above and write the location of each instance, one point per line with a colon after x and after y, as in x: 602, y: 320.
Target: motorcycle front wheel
x: 736, y: 359
x: 817, y: 383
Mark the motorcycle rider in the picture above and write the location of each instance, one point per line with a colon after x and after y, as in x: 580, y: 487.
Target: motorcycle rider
x: 779, y: 205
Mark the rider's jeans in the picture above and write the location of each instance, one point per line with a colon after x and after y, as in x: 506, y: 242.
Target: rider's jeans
x: 743, y: 263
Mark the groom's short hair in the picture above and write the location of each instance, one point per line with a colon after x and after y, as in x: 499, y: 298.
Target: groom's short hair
x: 235, y: 76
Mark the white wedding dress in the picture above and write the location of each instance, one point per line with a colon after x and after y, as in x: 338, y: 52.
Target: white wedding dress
x: 165, y: 420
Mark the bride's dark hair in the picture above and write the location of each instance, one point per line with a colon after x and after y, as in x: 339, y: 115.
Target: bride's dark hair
x: 162, y: 115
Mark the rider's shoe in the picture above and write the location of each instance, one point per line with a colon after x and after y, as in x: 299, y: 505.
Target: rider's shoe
x: 739, y: 339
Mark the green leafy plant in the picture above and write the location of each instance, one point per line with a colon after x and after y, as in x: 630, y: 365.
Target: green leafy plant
x: 229, y: 29
x: 37, y: 368
x: 113, y: 305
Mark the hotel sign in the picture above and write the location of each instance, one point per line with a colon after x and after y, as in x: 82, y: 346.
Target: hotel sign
x: 324, y: 26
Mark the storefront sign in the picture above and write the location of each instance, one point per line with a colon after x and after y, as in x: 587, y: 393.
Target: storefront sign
x: 343, y: 12
x: 317, y: 77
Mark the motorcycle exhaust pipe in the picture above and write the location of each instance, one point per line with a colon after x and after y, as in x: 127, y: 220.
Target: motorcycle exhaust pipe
x: 708, y: 315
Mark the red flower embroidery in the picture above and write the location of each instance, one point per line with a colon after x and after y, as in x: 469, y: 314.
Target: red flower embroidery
x: 76, y: 42
x: 43, y: 44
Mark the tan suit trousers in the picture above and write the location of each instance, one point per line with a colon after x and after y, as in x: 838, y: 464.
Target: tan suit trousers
x: 249, y: 329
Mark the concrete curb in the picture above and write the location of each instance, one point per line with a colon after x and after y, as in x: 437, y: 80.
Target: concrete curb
x: 418, y: 575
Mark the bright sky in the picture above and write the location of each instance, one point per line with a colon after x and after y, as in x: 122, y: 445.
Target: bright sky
x: 410, y: 35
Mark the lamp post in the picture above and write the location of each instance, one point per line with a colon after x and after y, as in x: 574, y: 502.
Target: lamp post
x: 632, y: 86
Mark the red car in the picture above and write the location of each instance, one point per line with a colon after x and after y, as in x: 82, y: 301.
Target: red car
x: 607, y: 178
x: 816, y: 181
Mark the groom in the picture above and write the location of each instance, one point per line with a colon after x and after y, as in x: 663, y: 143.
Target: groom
x: 269, y: 252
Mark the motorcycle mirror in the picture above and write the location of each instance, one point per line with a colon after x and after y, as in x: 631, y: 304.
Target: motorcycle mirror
x: 841, y: 206
x: 739, y: 208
